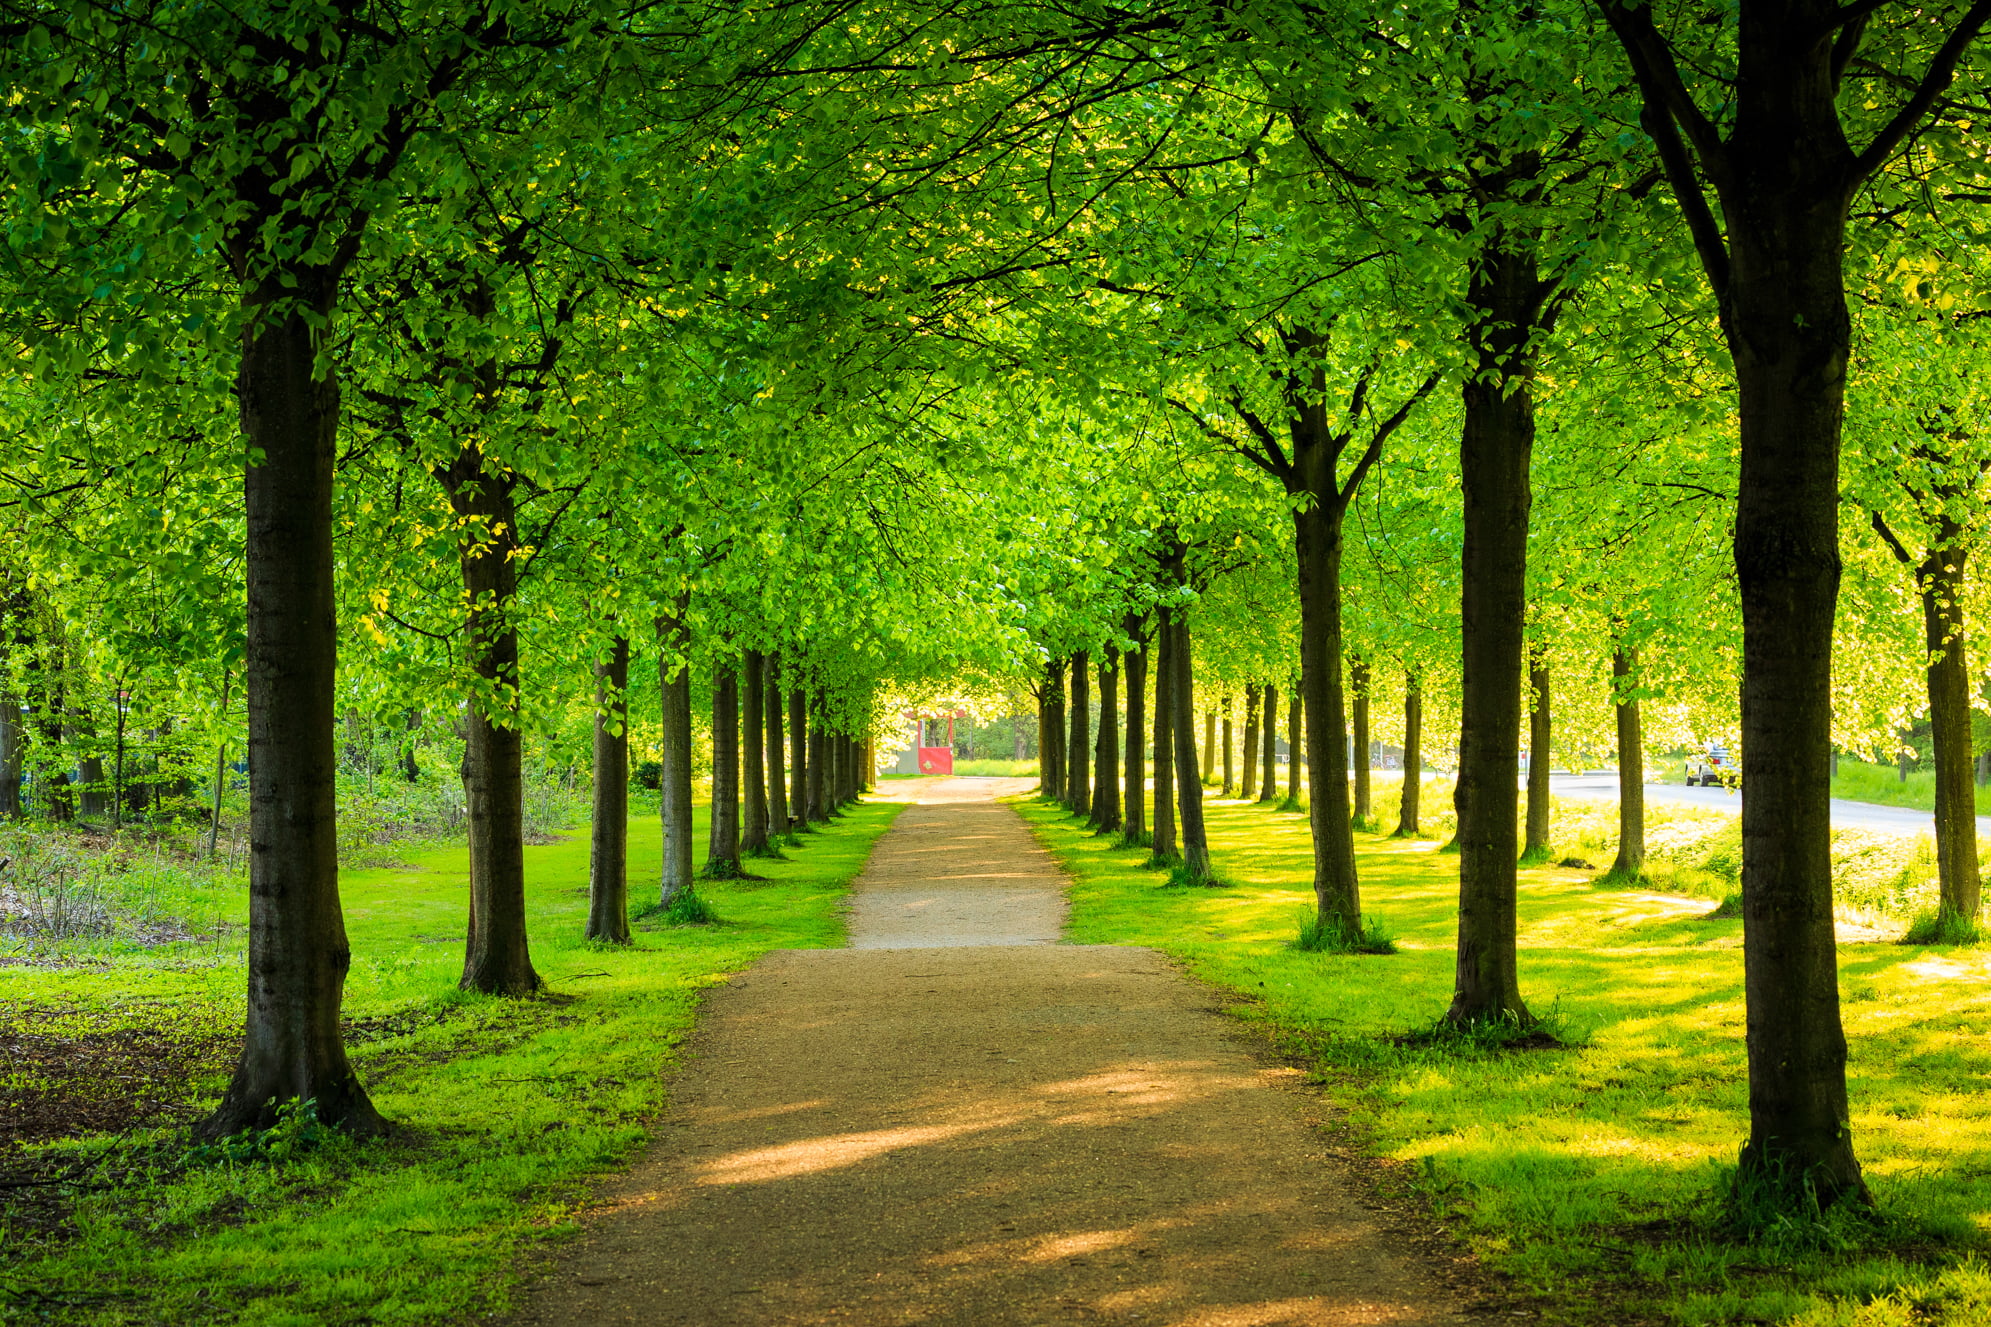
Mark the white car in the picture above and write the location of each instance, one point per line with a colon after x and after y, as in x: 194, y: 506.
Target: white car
x: 1713, y: 768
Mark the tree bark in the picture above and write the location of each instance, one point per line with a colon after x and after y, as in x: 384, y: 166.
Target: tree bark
x: 753, y: 769
x: 1189, y: 789
x: 496, y: 959
x: 1940, y: 579
x: 1631, y: 766
x: 1053, y: 755
x: 1268, y: 784
x: 1078, y: 789
x: 722, y: 840
x: 1249, y: 787
x: 1162, y: 847
x: 608, y: 855
x: 1494, y: 450
x: 1317, y: 544
x: 1295, y: 744
x: 292, y: 1048
x: 11, y: 747
x: 777, y: 777
x: 1105, y: 817
x: 1134, y: 811
x: 1230, y: 745
x: 1209, y: 744
x: 1535, y: 846
x: 819, y: 807
x: 674, y: 779
x: 798, y: 751
x: 1413, y: 754
x: 1364, y: 754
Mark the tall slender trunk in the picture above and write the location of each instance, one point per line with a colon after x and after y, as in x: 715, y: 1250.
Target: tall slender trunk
x: 1209, y: 745
x: 1358, y: 690
x: 1016, y: 751
x: 410, y: 770
x: 777, y: 784
x: 674, y: 779
x: 11, y: 745
x: 1133, y: 810
x: 1631, y: 765
x: 1535, y: 845
x: 1078, y: 784
x: 1106, y: 781
x: 1189, y: 789
x: 798, y: 751
x: 608, y: 854
x: 1230, y: 745
x: 298, y: 954
x: 753, y: 769
x: 1249, y: 787
x: 1163, y: 851
x: 1295, y: 744
x: 220, y: 771
x: 722, y: 840
x: 1268, y: 784
x: 495, y: 960
x: 53, y: 789
x: 1940, y: 579
x: 1054, y: 712
x: 819, y: 806
x: 1413, y: 754
x: 1317, y: 544
x: 1495, y: 445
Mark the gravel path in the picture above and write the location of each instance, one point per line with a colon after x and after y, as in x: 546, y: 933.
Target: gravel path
x: 957, y: 1121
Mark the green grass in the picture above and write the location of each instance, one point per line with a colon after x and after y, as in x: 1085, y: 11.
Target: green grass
x: 503, y: 1111
x: 1593, y: 1174
x: 1007, y: 769
x: 1859, y: 781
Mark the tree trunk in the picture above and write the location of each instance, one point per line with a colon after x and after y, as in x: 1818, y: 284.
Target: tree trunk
x: 1494, y: 449
x: 1078, y: 789
x: 1053, y: 756
x: 1295, y: 745
x: 53, y: 789
x: 1413, y: 754
x: 1134, y: 811
x: 722, y: 850
x: 608, y: 855
x: 798, y: 752
x: 819, y: 806
x: 1268, y: 784
x: 1230, y: 745
x: 1163, y: 849
x: 1941, y: 581
x: 1189, y: 789
x: 1364, y: 753
x: 92, y: 798
x: 1106, y: 781
x: 220, y: 772
x: 1209, y: 764
x: 410, y: 770
x: 11, y: 746
x: 777, y: 777
x: 1317, y: 545
x: 1249, y: 787
x: 496, y: 960
x: 674, y: 779
x: 298, y: 955
x: 1535, y: 846
x: 753, y: 769
x: 1631, y: 766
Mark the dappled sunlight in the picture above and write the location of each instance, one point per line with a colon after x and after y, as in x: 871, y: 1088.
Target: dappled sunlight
x: 813, y: 1155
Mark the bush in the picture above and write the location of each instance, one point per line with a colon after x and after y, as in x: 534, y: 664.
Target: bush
x: 1941, y: 926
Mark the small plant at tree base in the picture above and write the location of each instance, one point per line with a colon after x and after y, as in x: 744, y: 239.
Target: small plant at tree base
x: 1451, y: 846
x: 1547, y: 1031
x: 1366, y: 825
x: 296, y: 1132
x: 1942, y: 926
x: 1180, y: 877
x: 1140, y: 840
x: 1333, y: 935
x: 1616, y: 878
x: 687, y: 907
x: 1536, y: 857
x: 771, y: 853
x: 1730, y: 907
x: 1769, y: 1207
x: 1292, y: 804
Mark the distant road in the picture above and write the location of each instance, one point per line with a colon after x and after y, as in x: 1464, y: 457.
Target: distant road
x: 1868, y: 816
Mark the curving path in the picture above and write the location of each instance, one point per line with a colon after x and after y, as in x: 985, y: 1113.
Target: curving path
x: 958, y: 1121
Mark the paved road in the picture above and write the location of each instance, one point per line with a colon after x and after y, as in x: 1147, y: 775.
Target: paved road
x: 1868, y: 816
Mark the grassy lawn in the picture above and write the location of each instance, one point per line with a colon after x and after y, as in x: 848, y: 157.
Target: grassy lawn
x: 503, y: 1110
x: 1590, y: 1174
x: 1859, y: 781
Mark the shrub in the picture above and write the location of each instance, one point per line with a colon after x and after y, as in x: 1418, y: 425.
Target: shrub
x: 1333, y: 935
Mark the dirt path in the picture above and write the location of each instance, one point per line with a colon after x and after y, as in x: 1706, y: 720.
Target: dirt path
x: 956, y: 1122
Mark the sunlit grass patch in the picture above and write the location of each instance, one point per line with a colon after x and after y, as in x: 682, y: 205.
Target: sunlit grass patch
x: 1596, y: 1165
x: 503, y: 1110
